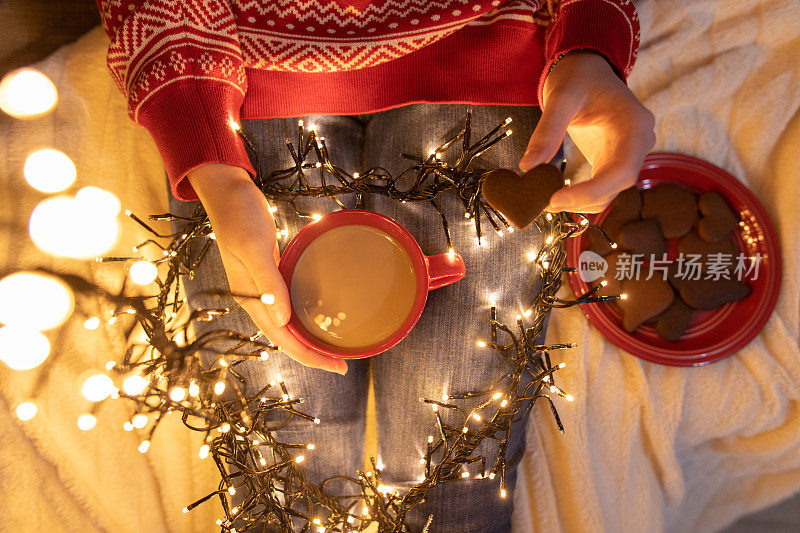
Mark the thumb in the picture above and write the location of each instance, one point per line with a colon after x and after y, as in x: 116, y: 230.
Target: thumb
x: 549, y: 132
x: 270, y: 284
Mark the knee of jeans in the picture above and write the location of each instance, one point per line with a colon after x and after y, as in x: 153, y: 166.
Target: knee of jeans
x: 466, y: 506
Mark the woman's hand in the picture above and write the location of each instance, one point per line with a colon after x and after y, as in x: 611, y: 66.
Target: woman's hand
x: 246, y: 235
x: 613, y: 130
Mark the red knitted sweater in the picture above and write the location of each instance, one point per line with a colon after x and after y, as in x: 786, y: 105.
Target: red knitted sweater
x: 190, y: 67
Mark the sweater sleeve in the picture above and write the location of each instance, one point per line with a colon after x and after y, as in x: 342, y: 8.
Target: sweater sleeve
x: 179, y: 64
x: 609, y: 27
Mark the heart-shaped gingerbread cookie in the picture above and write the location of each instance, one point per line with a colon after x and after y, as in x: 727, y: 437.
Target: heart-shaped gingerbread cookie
x: 643, y: 237
x: 521, y: 198
x: 645, y: 299
x: 706, y: 294
x: 674, y: 206
x: 692, y: 244
x: 718, y: 220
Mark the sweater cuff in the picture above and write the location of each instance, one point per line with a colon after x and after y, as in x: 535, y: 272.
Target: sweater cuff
x: 190, y: 122
x: 605, y: 27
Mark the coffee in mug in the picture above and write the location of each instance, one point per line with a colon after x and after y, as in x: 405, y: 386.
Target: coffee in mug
x: 353, y: 286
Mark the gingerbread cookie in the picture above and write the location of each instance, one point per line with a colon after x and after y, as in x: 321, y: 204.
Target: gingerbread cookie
x: 718, y: 220
x: 626, y: 206
x: 520, y: 199
x: 706, y: 294
x: 674, y: 206
x: 643, y: 237
x: 672, y: 323
x: 692, y: 244
x: 646, y: 298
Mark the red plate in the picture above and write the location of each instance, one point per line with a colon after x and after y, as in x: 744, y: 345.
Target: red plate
x: 711, y: 335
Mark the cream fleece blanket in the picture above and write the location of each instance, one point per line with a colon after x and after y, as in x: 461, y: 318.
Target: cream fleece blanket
x: 647, y: 447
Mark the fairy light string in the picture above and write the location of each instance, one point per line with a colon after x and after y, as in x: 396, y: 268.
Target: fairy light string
x: 163, y: 374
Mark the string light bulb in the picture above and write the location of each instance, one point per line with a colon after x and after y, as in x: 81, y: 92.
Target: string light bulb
x: 177, y: 394
x: 97, y: 387
x: 143, y: 272
x: 86, y: 422
x: 134, y: 385
x: 139, y: 421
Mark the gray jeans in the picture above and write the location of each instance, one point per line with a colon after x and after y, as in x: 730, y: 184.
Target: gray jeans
x: 440, y: 353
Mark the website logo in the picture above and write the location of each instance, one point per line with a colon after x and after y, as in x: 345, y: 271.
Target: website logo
x: 591, y: 266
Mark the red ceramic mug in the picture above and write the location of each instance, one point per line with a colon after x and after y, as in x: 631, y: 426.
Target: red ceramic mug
x: 430, y: 272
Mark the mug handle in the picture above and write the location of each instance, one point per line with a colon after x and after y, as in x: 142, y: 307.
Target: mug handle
x: 444, y: 269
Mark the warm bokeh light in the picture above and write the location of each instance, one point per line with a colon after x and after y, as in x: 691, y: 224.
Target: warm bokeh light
x: 98, y: 387
x: 34, y: 301
x: 23, y: 348
x: 49, y: 170
x: 143, y: 272
x: 27, y: 93
x: 177, y: 394
x: 133, y: 385
x: 26, y: 410
x: 99, y: 201
x: 64, y: 227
